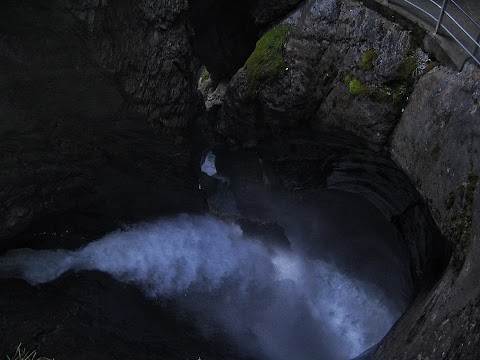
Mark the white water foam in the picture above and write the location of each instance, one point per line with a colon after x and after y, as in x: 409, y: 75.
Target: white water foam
x: 272, y: 303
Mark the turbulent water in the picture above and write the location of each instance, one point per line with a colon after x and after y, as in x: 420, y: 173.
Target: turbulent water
x: 271, y: 302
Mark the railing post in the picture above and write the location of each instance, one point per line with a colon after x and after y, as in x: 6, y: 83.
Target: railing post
x: 476, y: 46
x: 442, y: 14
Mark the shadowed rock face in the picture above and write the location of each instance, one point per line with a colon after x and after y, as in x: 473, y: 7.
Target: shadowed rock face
x: 266, y: 12
x: 306, y: 164
x: 225, y: 32
x: 84, y: 316
x: 344, y: 66
x: 80, y: 83
x: 98, y: 93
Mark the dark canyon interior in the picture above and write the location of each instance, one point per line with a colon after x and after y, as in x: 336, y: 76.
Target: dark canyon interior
x: 103, y: 129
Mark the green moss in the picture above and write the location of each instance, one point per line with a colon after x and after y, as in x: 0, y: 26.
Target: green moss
x: 396, y: 95
x: 399, y: 97
x: 347, y: 78
x: 454, y: 216
x: 367, y: 60
x: 383, y: 94
x: 266, y: 62
x: 470, y: 189
x: 408, y: 67
x: 204, y: 75
x: 357, y: 88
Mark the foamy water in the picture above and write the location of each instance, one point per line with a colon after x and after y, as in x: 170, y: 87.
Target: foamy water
x: 272, y: 303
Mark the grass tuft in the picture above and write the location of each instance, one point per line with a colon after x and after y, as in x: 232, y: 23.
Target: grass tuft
x: 23, y: 354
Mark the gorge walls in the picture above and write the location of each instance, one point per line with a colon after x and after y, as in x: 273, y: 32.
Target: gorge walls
x: 99, y: 100
x: 437, y: 143
x: 84, y: 86
x: 343, y: 67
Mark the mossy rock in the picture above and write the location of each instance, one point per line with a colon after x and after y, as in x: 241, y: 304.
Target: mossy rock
x: 395, y: 95
x: 357, y: 88
x: 205, y: 75
x: 367, y: 60
x: 408, y: 67
x: 266, y: 63
x: 347, y: 78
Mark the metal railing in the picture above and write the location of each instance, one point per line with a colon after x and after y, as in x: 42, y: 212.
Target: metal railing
x: 451, y: 19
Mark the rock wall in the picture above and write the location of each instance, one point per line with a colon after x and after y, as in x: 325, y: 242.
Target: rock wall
x: 147, y: 45
x: 345, y: 67
x: 437, y: 142
x: 96, y: 97
x: 80, y: 83
x: 337, y: 53
x: 225, y: 32
x: 337, y: 67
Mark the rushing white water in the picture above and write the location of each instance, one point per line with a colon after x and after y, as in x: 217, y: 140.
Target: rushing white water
x: 208, y: 166
x: 273, y: 303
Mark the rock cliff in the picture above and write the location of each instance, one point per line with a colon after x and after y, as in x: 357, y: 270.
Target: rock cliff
x: 334, y: 54
x: 343, y: 66
x: 83, y: 84
x: 437, y: 142
x: 97, y: 93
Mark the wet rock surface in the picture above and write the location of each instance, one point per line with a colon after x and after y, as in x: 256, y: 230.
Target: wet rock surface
x: 336, y: 54
x: 302, y: 167
x: 437, y: 143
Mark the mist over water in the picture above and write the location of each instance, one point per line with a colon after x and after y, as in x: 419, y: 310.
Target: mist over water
x: 271, y: 302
